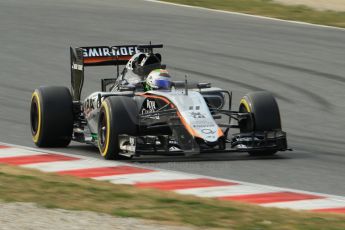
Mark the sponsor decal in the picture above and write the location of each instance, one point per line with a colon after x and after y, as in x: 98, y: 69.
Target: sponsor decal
x: 150, y: 107
x: 174, y: 149
x: 173, y: 142
x: 77, y: 66
x: 207, y: 131
x: 89, y: 103
x: 89, y: 106
x: 94, y: 136
x: 197, y: 115
x: 202, y: 124
x: 109, y: 52
x: 132, y: 141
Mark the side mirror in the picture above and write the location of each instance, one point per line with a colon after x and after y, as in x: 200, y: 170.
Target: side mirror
x: 178, y: 84
x: 128, y: 87
x: 107, y: 83
x: 203, y: 85
x: 138, y: 86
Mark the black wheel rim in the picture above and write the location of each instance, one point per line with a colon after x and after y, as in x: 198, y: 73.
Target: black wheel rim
x: 246, y: 125
x: 102, y: 131
x: 34, y: 117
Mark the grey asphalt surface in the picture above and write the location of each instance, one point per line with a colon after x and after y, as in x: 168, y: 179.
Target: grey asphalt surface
x: 302, y: 65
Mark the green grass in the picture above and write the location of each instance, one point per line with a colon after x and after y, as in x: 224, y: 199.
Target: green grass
x: 54, y: 191
x: 272, y: 9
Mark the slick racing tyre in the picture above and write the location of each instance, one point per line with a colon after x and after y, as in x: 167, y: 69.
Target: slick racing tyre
x: 51, y: 116
x: 118, y: 115
x: 265, y: 116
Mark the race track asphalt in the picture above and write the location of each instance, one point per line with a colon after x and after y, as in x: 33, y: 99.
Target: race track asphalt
x: 302, y: 65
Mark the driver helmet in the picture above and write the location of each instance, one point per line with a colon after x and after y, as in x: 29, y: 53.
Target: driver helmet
x: 158, y: 79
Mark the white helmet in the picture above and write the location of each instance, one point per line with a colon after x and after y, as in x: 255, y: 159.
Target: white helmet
x: 158, y: 79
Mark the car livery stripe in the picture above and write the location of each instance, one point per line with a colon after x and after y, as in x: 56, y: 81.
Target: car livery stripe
x: 220, y: 132
x: 93, y: 60
x: 190, y: 129
x: 182, y: 183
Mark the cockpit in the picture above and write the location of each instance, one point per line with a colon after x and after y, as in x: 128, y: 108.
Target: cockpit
x: 140, y: 65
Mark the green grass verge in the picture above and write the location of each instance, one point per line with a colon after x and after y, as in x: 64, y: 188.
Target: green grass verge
x: 272, y: 9
x: 53, y: 191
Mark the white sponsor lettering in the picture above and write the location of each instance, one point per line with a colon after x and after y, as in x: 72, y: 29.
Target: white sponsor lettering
x: 85, y: 54
x: 197, y: 115
x: 131, y: 141
x: 150, y: 108
x: 131, y: 50
x: 107, y: 52
x: 151, y: 105
x: 100, y: 52
x: 123, y: 51
x: 93, y: 53
x: 202, y: 123
x: 77, y: 66
x: 114, y: 52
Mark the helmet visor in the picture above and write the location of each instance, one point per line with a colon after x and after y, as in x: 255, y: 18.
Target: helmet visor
x: 162, y: 84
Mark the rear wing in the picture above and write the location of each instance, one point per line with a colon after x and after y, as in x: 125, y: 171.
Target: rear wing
x: 81, y: 57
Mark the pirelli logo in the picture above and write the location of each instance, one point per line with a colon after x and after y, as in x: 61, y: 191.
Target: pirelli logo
x: 109, y: 51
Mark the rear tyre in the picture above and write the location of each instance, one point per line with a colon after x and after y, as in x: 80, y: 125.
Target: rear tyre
x: 51, y: 116
x: 265, y: 116
x: 118, y: 115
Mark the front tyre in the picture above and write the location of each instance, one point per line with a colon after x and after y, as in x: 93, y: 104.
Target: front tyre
x: 265, y: 116
x: 51, y: 116
x: 118, y: 115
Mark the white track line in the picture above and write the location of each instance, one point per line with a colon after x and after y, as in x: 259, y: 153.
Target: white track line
x: 146, y: 177
x: 246, y: 15
x: 230, y: 190
x: 71, y: 165
x: 17, y: 152
x: 307, y: 204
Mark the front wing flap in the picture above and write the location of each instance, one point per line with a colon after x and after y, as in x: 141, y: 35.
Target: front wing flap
x: 267, y: 140
x: 241, y: 142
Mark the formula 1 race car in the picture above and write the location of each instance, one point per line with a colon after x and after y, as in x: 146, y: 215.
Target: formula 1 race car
x: 142, y: 111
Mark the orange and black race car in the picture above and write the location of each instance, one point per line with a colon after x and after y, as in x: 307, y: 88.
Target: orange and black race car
x: 144, y: 111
